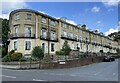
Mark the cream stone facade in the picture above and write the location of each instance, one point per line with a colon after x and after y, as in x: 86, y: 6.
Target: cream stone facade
x: 30, y: 28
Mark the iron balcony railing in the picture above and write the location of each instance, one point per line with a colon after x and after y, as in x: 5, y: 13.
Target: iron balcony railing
x: 49, y: 38
x: 21, y: 35
x: 68, y: 37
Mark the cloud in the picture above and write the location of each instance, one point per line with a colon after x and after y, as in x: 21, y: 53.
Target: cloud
x: 95, y: 9
x: 8, y: 6
x: 99, y: 22
x: 12, y: 5
x: 110, y: 2
x: 43, y: 12
x: 4, y: 16
x: 71, y: 22
x: 111, y: 30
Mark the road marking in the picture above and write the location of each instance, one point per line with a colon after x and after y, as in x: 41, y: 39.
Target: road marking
x: 38, y: 80
x: 8, y: 76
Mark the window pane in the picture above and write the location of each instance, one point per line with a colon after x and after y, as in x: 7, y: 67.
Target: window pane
x: 29, y: 16
x: 52, y: 23
x: 27, y: 45
x: 44, y: 33
x: 16, y: 31
x: 28, y: 32
x: 17, y: 17
x: 43, y: 20
x: 52, y: 47
x: 15, y: 45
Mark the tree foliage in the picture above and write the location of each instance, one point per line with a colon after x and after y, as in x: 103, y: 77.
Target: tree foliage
x: 5, y: 30
x: 38, y: 52
x: 66, y: 48
x: 118, y: 50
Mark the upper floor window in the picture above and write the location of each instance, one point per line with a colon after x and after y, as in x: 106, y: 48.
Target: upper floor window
x: 71, y: 35
x: 52, y: 23
x: 63, y: 25
x: 64, y: 33
x: 28, y: 32
x: 27, y: 45
x: 76, y: 30
x: 80, y: 38
x: 15, y: 45
x: 16, y: 31
x: 52, y: 34
x: 44, y: 20
x: 17, y: 16
x: 44, y: 33
x: 77, y: 37
x: 29, y: 16
x: 71, y: 28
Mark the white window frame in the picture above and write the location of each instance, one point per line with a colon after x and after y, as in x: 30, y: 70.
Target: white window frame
x: 26, y: 33
x: 44, y: 20
x: 52, y: 23
x: 76, y: 29
x: 42, y: 46
x: 16, y: 30
x: 80, y: 38
x: 44, y: 34
x: 64, y: 25
x: 53, y: 47
x: 28, y: 17
x: 77, y: 37
x: 71, y: 28
x: 17, y: 16
x: 30, y: 44
x: 15, y: 47
x: 52, y: 35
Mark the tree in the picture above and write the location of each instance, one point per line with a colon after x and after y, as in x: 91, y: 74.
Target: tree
x: 38, y: 53
x: 4, y: 35
x: 66, y: 48
x: 5, y: 30
x: 118, y: 50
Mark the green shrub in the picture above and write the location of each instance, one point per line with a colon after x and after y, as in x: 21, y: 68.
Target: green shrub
x: 60, y: 52
x: 38, y: 52
x: 16, y: 56
x: 11, y: 52
x: 6, y: 58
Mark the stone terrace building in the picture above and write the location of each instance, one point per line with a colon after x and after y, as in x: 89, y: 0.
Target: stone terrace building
x: 30, y: 28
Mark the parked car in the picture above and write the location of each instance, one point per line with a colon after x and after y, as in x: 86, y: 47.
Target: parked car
x: 109, y: 58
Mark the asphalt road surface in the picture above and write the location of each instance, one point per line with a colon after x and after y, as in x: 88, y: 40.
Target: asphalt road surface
x: 104, y: 71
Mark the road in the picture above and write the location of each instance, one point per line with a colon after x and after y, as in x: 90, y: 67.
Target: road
x: 104, y: 71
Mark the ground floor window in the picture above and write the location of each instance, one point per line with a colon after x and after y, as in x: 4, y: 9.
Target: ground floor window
x: 27, y: 45
x: 81, y: 45
x: 15, y: 45
x: 43, y: 46
x: 52, y: 47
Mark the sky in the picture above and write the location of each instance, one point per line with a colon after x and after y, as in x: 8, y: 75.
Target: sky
x: 101, y: 16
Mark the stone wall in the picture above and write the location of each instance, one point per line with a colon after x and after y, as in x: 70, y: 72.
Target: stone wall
x: 59, y: 64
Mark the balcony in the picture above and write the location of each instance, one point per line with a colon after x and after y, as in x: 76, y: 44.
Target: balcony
x: 21, y: 35
x: 47, y: 38
x: 68, y: 37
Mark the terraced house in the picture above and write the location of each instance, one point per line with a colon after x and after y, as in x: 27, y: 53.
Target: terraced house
x: 30, y: 28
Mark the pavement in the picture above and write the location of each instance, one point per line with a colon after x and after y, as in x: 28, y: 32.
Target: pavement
x: 10, y: 66
x: 104, y: 71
